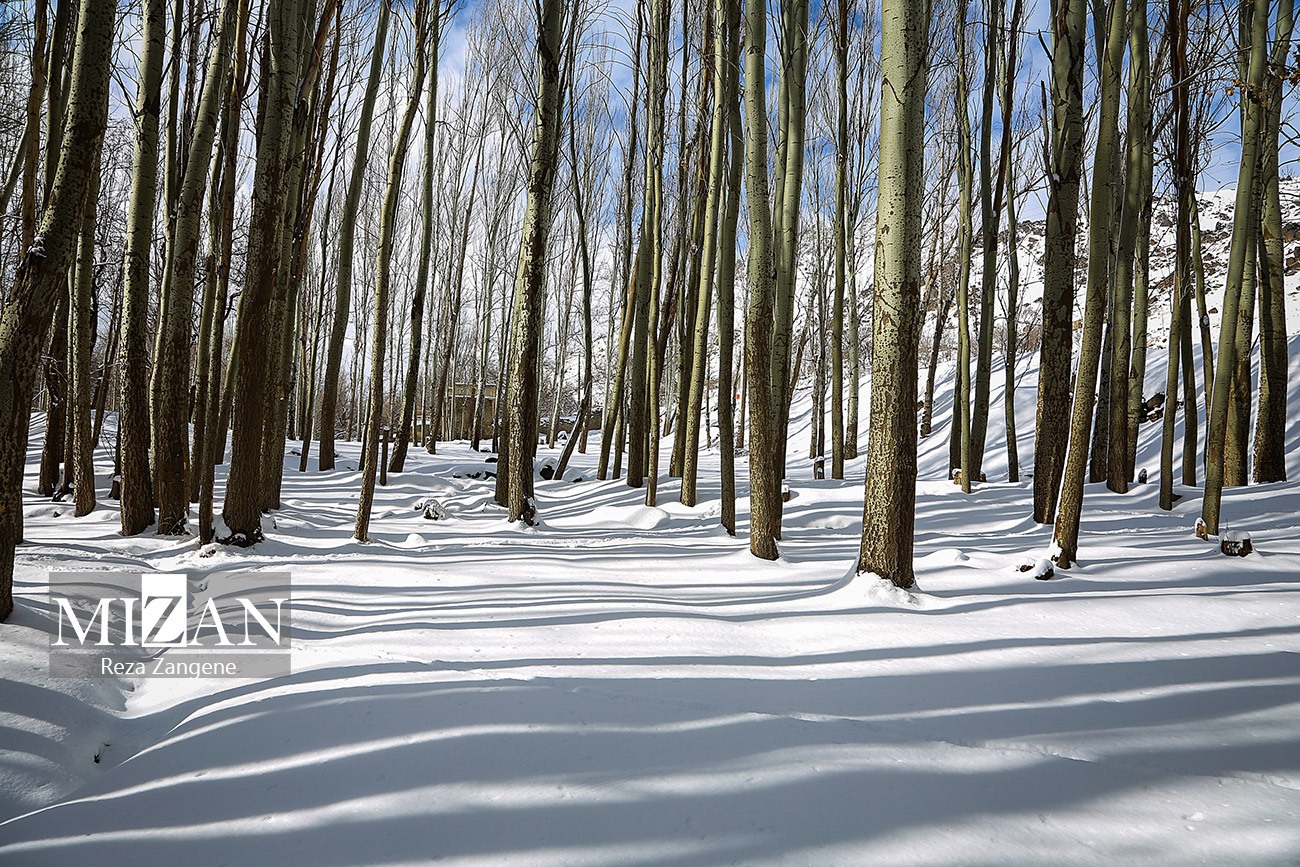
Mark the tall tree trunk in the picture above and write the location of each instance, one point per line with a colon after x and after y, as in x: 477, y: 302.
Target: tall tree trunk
x: 840, y: 43
x: 765, y: 442
x: 409, y: 390
x: 81, y: 342
x: 1141, y: 299
x: 1100, y: 219
x: 170, y: 378
x: 959, y: 448
x: 43, y: 271
x: 255, y: 342
x: 1051, y: 430
x: 1117, y: 453
x: 727, y: 274
x: 723, y: 97
x: 530, y: 282
x: 370, y: 456
x: 346, y: 245
x: 990, y: 216
x: 1242, y: 232
x: 890, y: 497
x: 133, y: 413
x: 214, y: 442
x: 1270, y: 424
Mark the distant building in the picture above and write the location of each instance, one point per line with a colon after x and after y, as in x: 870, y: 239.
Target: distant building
x: 463, y: 397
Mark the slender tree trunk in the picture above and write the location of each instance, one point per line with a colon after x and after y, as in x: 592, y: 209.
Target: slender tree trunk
x: 1051, y: 431
x: 840, y: 42
x: 1104, y: 171
x: 727, y: 274
x: 1270, y: 424
x: 1142, y: 300
x: 256, y: 343
x: 525, y: 340
x: 41, y: 276
x: 30, y: 156
x: 1242, y: 231
x: 81, y: 341
x: 133, y: 410
x: 170, y: 378
x: 709, y: 255
x: 959, y: 450
x: 383, y: 267
x: 990, y: 215
x: 764, y: 483
x: 1013, y: 311
x: 398, y: 461
x: 346, y: 245
x: 1117, y: 453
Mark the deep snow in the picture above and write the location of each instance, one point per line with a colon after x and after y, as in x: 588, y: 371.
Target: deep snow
x: 625, y: 684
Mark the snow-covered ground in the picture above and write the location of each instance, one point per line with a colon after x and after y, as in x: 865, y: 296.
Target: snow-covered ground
x: 626, y: 685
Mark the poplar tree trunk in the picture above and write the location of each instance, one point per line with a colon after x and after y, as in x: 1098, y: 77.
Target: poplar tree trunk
x: 1270, y: 424
x: 727, y: 274
x: 791, y: 116
x: 1242, y: 231
x: 1100, y: 218
x: 409, y: 391
x: 1119, y: 461
x: 346, y: 246
x: 643, y: 410
x: 42, y: 273
x: 764, y: 481
x: 890, y: 498
x: 170, y: 378
x: 81, y: 341
x: 383, y: 269
x: 30, y: 155
x: 990, y: 216
x: 133, y: 402
x: 615, y: 404
x: 1013, y: 309
x: 723, y: 97
x: 959, y: 448
x: 256, y: 343
x: 520, y: 444
x: 1051, y: 430
x: 840, y: 41
x: 222, y: 235
x: 1141, y: 299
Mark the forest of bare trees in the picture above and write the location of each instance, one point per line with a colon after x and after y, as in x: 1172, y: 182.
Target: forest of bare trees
x: 238, y: 231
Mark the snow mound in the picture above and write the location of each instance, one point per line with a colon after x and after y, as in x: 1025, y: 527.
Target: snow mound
x: 632, y: 517
x: 887, y: 594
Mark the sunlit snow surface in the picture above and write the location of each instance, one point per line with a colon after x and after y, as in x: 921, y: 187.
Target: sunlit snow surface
x: 626, y: 685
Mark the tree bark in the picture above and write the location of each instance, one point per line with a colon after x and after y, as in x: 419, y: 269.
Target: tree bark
x: 1242, y: 231
x: 256, y: 343
x: 889, y: 507
x: 1051, y: 430
x: 530, y: 282
x: 41, y: 276
x: 1100, y: 217
x: 383, y: 268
